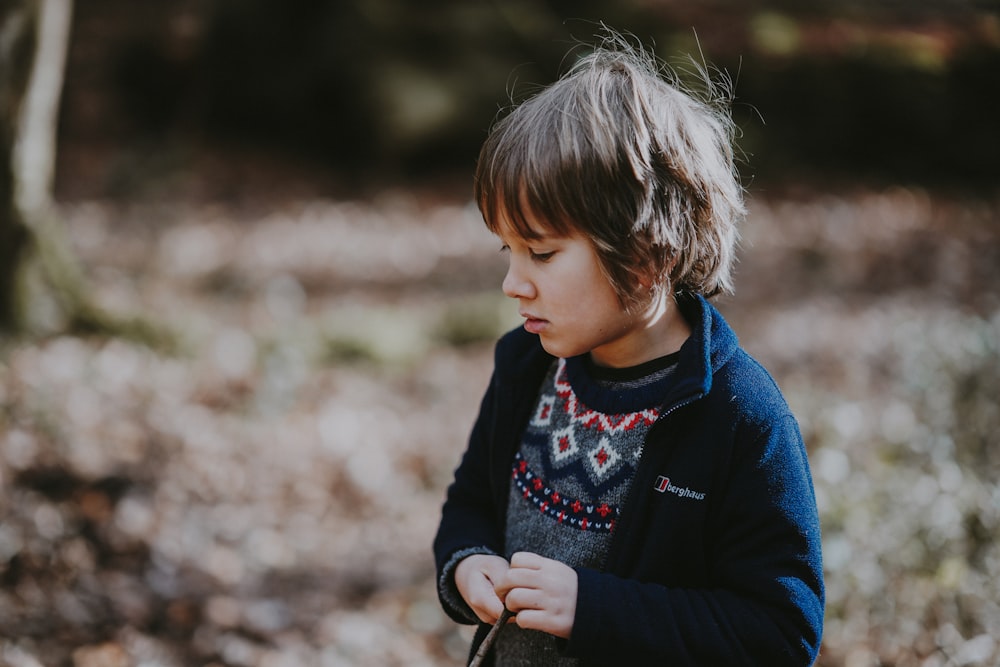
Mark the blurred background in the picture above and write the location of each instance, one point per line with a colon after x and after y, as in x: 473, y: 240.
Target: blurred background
x: 260, y: 312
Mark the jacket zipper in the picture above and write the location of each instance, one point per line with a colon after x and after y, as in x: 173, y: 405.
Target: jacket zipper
x: 633, y: 492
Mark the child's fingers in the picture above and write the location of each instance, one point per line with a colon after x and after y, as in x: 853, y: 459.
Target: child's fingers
x: 515, y: 578
x: 475, y: 578
x: 488, y: 605
x: 492, y: 567
x: 533, y: 571
x: 520, y: 579
x: 526, y: 570
x: 527, y: 560
x: 485, y: 603
x: 535, y: 619
x: 541, y: 592
x: 520, y: 599
x: 492, y: 612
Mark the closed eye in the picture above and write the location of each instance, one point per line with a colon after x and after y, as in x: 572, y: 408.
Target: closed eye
x: 541, y: 256
x: 536, y: 256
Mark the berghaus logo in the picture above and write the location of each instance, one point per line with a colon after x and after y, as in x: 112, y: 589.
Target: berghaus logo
x: 663, y: 485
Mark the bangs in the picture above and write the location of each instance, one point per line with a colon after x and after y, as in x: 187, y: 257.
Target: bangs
x: 538, y: 171
x: 524, y: 208
x: 525, y: 197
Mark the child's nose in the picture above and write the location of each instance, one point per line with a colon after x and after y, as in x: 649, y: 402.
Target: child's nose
x: 516, y: 286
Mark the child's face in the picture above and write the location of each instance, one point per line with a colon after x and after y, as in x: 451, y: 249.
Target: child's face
x: 567, y: 300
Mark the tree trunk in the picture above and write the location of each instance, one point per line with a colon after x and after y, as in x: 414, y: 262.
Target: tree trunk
x: 35, y: 150
x: 18, y: 21
x: 42, y: 287
x: 50, y: 290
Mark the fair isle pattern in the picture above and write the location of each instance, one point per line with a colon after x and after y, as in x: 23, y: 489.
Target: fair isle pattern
x: 581, y: 414
x: 575, y: 460
x: 569, y: 511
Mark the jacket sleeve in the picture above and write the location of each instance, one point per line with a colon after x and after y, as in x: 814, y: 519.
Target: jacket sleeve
x: 762, y: 603
x: 469, y: 523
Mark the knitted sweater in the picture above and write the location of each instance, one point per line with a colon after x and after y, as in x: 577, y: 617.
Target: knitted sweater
x: 572, y: 473
x: 715, y: 557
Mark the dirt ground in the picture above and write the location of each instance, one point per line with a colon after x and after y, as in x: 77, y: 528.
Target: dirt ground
x: 265, y: 494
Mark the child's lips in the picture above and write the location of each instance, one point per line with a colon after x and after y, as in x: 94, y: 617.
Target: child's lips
x: 533, y: 324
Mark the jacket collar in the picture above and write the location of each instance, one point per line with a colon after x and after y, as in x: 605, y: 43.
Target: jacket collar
x: 710, y: 346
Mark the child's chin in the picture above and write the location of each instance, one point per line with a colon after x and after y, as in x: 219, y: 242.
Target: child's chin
x: 549, y: 346
x: 556, y: 349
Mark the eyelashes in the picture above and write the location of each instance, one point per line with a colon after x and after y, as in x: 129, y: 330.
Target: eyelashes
x: 536, y: 256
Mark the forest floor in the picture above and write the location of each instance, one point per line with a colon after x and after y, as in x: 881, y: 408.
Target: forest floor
x: 265, y: 492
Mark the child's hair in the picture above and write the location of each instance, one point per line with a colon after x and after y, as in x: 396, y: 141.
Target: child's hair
x: 619, y: 150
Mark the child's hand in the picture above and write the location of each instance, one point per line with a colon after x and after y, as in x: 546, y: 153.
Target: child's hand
x: 476, y: 578
x: 541, y: 592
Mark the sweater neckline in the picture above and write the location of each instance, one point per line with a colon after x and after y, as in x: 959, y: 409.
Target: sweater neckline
x: 622, y: 390
x: 640, y: 373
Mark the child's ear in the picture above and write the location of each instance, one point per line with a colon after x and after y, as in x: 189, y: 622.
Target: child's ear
x: 652, y: 279
x: 649, y: 277
x: 641, y: 277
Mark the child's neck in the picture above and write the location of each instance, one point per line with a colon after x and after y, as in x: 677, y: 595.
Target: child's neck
x: 661, y: 330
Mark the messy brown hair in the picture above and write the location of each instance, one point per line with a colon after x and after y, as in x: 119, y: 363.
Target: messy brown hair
x: 618, y: 150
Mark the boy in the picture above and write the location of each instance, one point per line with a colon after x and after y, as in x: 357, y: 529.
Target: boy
x: 635, y: 490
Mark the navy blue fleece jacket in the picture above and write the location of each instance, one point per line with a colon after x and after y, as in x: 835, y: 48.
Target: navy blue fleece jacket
x: 730, y: 577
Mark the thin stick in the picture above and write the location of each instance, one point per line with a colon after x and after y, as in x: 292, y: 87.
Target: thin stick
x: 487, y: 644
